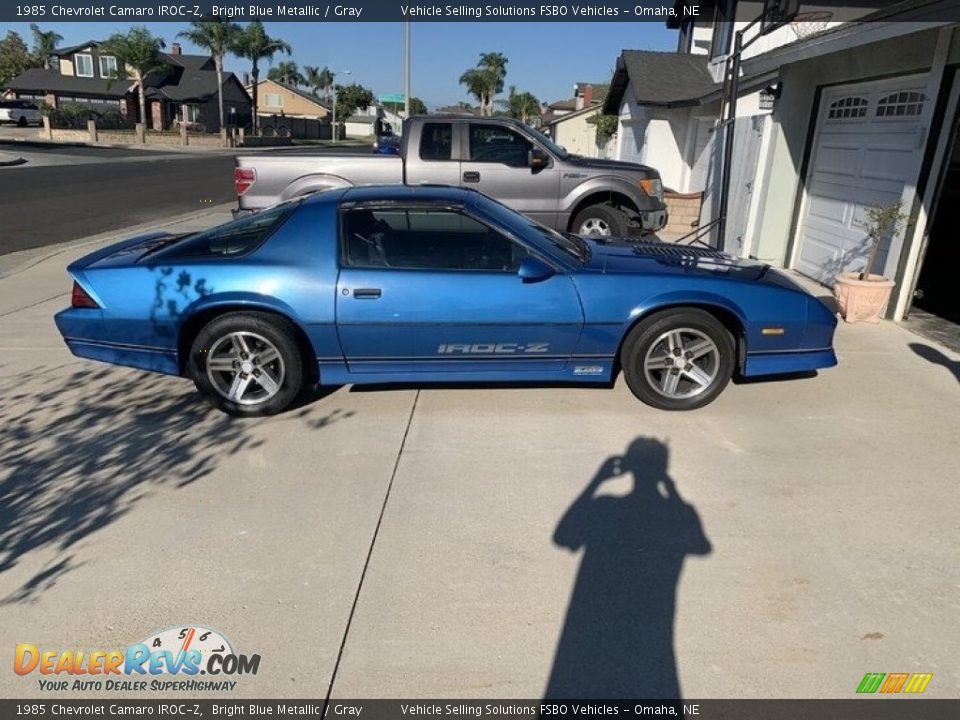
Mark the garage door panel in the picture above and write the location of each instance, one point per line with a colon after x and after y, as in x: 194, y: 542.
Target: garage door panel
x: 866, y: 148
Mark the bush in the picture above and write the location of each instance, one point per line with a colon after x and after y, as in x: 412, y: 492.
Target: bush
x: 75, y: 117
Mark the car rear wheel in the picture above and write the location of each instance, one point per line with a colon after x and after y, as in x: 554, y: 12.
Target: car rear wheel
x: 602, y: 220
x: 22, y: 122
x: 678, y: 359
x: 247, y: 363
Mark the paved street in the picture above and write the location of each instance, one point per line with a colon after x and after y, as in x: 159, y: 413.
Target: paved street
x: 483, y: 542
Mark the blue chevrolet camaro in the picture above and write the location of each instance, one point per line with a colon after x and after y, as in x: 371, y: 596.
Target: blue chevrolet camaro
x: 433, y: 284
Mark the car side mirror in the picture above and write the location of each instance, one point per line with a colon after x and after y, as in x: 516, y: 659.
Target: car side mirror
x: 534, y: 270
x: 537, y: 159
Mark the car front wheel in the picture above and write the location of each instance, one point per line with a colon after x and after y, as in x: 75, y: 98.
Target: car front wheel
x: 247, y: 363
x: 602, y: 220
x: 679, y: 359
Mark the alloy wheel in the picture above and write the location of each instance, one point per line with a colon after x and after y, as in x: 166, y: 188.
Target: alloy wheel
x: 594, y: 226
x: 682, y: 363
x: 245, y: 368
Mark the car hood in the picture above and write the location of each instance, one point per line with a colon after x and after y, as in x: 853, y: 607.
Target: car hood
x: 611, y: 165
x: 625, y: 255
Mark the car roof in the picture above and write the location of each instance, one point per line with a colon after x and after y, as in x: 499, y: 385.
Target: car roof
x: 364, y: 194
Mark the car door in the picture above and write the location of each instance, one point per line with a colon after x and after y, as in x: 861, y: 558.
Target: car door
x: 426, y: 288
x: 496, y: 162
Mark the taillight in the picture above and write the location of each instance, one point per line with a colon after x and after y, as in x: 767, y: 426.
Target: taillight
x: 80, y: 299
x: 244, y: 179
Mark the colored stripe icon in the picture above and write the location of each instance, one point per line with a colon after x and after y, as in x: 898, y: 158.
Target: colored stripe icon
x: 894, y: 683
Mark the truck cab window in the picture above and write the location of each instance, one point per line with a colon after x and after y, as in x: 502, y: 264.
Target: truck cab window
x: 498, y: 144
x: 436, y: 141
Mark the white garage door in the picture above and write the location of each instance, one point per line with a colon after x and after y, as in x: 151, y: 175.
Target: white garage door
x: 868, y: 145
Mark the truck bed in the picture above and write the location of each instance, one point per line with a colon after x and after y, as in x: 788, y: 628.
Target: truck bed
x: 278, y: 175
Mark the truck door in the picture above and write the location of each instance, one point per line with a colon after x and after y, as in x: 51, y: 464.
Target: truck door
x: 496, y: 162
x: 430, y: 157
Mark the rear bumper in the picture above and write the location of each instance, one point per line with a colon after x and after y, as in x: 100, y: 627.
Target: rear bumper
x: 788, y: 362
x: 81, y: 330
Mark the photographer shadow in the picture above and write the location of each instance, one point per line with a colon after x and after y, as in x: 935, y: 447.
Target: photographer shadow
x: 617, y: 640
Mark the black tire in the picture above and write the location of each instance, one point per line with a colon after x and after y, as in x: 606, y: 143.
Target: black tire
x: 601, y: 216
x: 654, y: 341
x: 214, y: 346
x: 22, y: 122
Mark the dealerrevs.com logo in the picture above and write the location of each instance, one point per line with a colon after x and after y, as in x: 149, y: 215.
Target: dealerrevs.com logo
x: 172, y: 659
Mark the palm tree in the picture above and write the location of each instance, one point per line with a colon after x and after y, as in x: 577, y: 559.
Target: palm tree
x: 255, y: 45
x: 218, y: 37
x: 522, y: 106
x: 44, y: 43
x: 480, y: 84
x: 287, y: 73
x: 319, y: 81
x: 137, y: 53
x: 496, y: 64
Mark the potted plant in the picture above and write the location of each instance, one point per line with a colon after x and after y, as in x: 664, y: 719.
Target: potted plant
x: 861, y: 296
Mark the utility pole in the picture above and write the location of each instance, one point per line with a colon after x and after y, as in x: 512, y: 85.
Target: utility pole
x: 406, y: 84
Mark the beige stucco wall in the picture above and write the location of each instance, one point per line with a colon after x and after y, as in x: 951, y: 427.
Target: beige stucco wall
x: 577, y: 135
x: 794, y: 112
x: 293, y: 104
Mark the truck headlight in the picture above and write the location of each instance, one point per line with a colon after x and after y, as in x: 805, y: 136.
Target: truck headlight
x: 652, y: 187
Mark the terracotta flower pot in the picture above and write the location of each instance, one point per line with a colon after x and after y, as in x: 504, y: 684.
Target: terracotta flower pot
x: 861, y: 300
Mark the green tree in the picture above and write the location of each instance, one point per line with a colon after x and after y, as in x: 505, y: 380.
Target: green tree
x: 486, y: 80
x: 319, y: 80
x: 523, y: 106
x: 14, y: 57
x: 352, y: 97
x: 44, y: 43
x: 137, y: 53
x: 255, y: 45
x: 287, y: 73
x: 218, y: 37
x: 417, y: 106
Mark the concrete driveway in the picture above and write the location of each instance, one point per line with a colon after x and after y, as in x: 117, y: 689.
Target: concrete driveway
x: 487, y: 542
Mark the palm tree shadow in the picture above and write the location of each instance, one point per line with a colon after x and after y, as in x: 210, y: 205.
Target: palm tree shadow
x: 617, y: 639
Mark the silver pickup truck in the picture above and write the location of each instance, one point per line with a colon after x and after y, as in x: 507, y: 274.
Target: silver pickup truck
x: 502, y: 158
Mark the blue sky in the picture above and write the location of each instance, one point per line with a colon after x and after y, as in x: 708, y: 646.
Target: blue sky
x: 545, y: 58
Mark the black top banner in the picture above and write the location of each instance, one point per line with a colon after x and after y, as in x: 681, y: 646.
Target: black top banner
x: 658, y: 11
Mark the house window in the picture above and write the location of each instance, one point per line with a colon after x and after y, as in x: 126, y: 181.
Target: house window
x: 722, y: 28
x: 273, y: 100
x: 191, y: 113
x: 901, y: 104
x: 108, y: 66
x: 83, y: 65
x: 848, y: 108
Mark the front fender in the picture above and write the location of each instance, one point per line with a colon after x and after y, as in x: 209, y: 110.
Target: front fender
x: 315, y: 182
x: 605, y: 184
x: 687, y: 298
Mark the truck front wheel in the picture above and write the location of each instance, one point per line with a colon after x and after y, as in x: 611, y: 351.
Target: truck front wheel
x: 603, y: 220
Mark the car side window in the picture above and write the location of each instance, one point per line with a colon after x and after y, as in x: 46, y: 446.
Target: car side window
x: 498, y: 144
x: 425, y: 239
x: 436, y: 141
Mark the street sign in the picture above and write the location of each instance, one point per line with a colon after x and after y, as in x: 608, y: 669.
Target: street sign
x: 393, y: 99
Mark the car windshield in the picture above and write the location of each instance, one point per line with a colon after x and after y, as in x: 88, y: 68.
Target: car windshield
x: 522, y: 225
x: 554, y: 148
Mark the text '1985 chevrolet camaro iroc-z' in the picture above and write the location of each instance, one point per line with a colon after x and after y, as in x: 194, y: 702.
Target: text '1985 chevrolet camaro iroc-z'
x: 433, y: 284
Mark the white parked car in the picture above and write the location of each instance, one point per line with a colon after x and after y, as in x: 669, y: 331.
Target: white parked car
x: 19, y: 112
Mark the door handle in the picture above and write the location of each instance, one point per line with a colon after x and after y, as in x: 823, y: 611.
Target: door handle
x: 471, y: 176
x: 369, y: 293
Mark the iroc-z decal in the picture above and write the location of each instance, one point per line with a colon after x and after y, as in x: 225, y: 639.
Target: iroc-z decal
x: 492, y: 348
